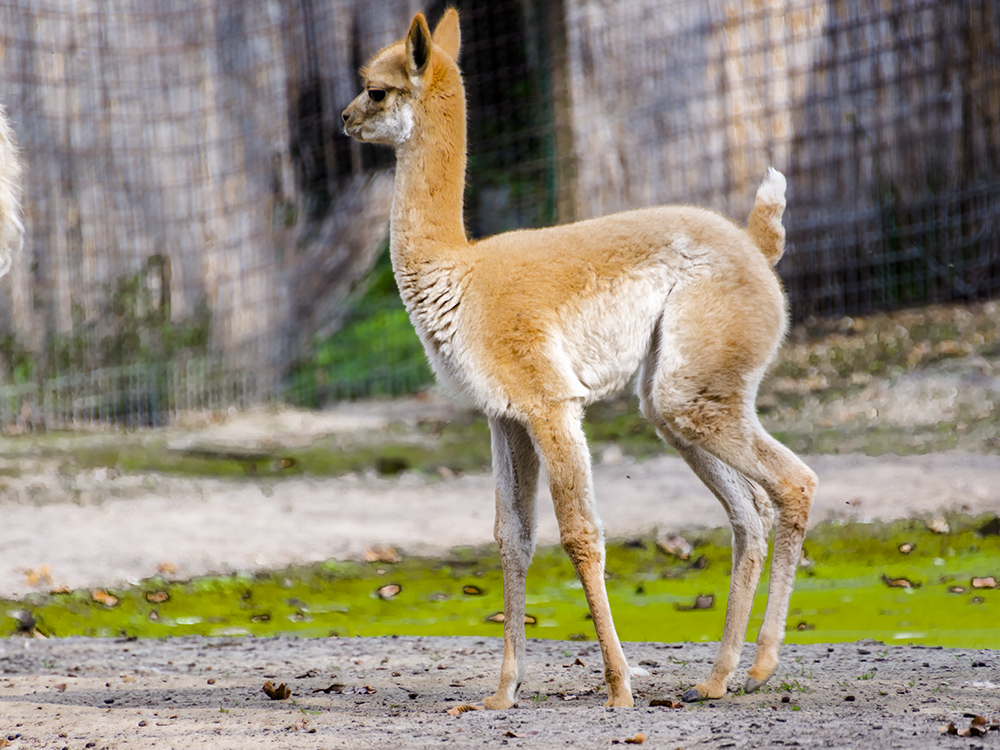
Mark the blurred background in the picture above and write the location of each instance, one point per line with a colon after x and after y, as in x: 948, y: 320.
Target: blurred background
x: 201, y: 235
x: 199, y: 337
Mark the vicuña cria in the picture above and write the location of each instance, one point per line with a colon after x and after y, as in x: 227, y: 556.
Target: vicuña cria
x: 534, y: 325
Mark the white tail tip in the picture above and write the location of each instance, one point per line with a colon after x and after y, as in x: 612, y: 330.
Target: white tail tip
x: 772, y: 189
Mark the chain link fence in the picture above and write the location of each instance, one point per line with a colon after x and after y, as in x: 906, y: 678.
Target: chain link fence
x: 198, y: 229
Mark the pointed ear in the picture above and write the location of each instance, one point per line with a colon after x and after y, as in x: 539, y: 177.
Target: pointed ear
x: 418, y: 45
x: 448, y: 35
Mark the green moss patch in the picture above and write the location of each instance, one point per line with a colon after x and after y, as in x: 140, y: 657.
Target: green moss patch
x: 896, y: 583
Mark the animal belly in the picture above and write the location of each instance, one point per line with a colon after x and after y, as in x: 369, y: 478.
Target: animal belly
x: 603, y: 349
x: 604, y: 366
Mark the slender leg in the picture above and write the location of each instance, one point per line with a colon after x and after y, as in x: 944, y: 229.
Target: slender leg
x: 749, y: 512
x: 791, y: 487
x: 563, y: 448
x: 715, y: 428
x: 737, y: 495
x: 515, y: 468
x: 793, y: 493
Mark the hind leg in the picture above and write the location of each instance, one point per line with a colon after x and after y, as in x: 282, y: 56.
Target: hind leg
x: 750, y: 514
x: 699, y: 385
x: 791, y: 487
x: 749, y: 553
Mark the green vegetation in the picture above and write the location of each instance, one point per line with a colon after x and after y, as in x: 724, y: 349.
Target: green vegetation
x: 432, y: 448
x: 897, y: 583
x: 134, y: 327
x: 375, y: 353
x: 121, y: 363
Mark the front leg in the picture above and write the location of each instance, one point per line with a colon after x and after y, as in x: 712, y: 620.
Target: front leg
x: 563, y: 448
x: 515, y: 470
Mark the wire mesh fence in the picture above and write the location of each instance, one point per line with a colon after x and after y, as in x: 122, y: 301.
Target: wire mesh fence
x: 198, y: 229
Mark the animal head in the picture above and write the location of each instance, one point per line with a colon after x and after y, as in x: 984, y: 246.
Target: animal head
x: 401, y: 79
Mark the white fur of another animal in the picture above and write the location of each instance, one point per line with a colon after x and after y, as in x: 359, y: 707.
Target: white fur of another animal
x: 11, y: 228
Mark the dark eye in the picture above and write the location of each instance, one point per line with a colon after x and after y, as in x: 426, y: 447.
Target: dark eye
x: 376, y: 95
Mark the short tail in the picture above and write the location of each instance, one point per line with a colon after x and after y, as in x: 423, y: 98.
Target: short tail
x: 764, y: 224
x: 11, y: 228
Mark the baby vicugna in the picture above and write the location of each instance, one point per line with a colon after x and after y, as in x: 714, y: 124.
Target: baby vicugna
x: 533, y: 325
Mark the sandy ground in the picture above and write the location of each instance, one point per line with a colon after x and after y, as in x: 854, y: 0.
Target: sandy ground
x: 191, y: 693
x: 395, y: 693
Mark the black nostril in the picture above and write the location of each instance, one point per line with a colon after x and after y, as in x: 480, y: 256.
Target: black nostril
x: 345, y: 116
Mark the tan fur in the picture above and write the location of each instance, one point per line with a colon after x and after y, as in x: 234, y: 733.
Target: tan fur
x: 11, y: 229
x: 533, y: 325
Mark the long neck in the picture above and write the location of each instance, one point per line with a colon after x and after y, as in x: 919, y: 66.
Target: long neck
x: 430, y: 173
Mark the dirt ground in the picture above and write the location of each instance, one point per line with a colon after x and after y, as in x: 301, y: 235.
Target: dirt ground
x: 394, y: 692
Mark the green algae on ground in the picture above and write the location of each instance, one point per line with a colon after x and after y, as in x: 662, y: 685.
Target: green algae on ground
x: 896, y: 583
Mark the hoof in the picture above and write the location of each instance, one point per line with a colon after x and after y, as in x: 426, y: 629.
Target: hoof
x: 623, y: 702
x: 704, y: 691
x: 497, y: 702
x: 752, y: 685
x: 692, y: 696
